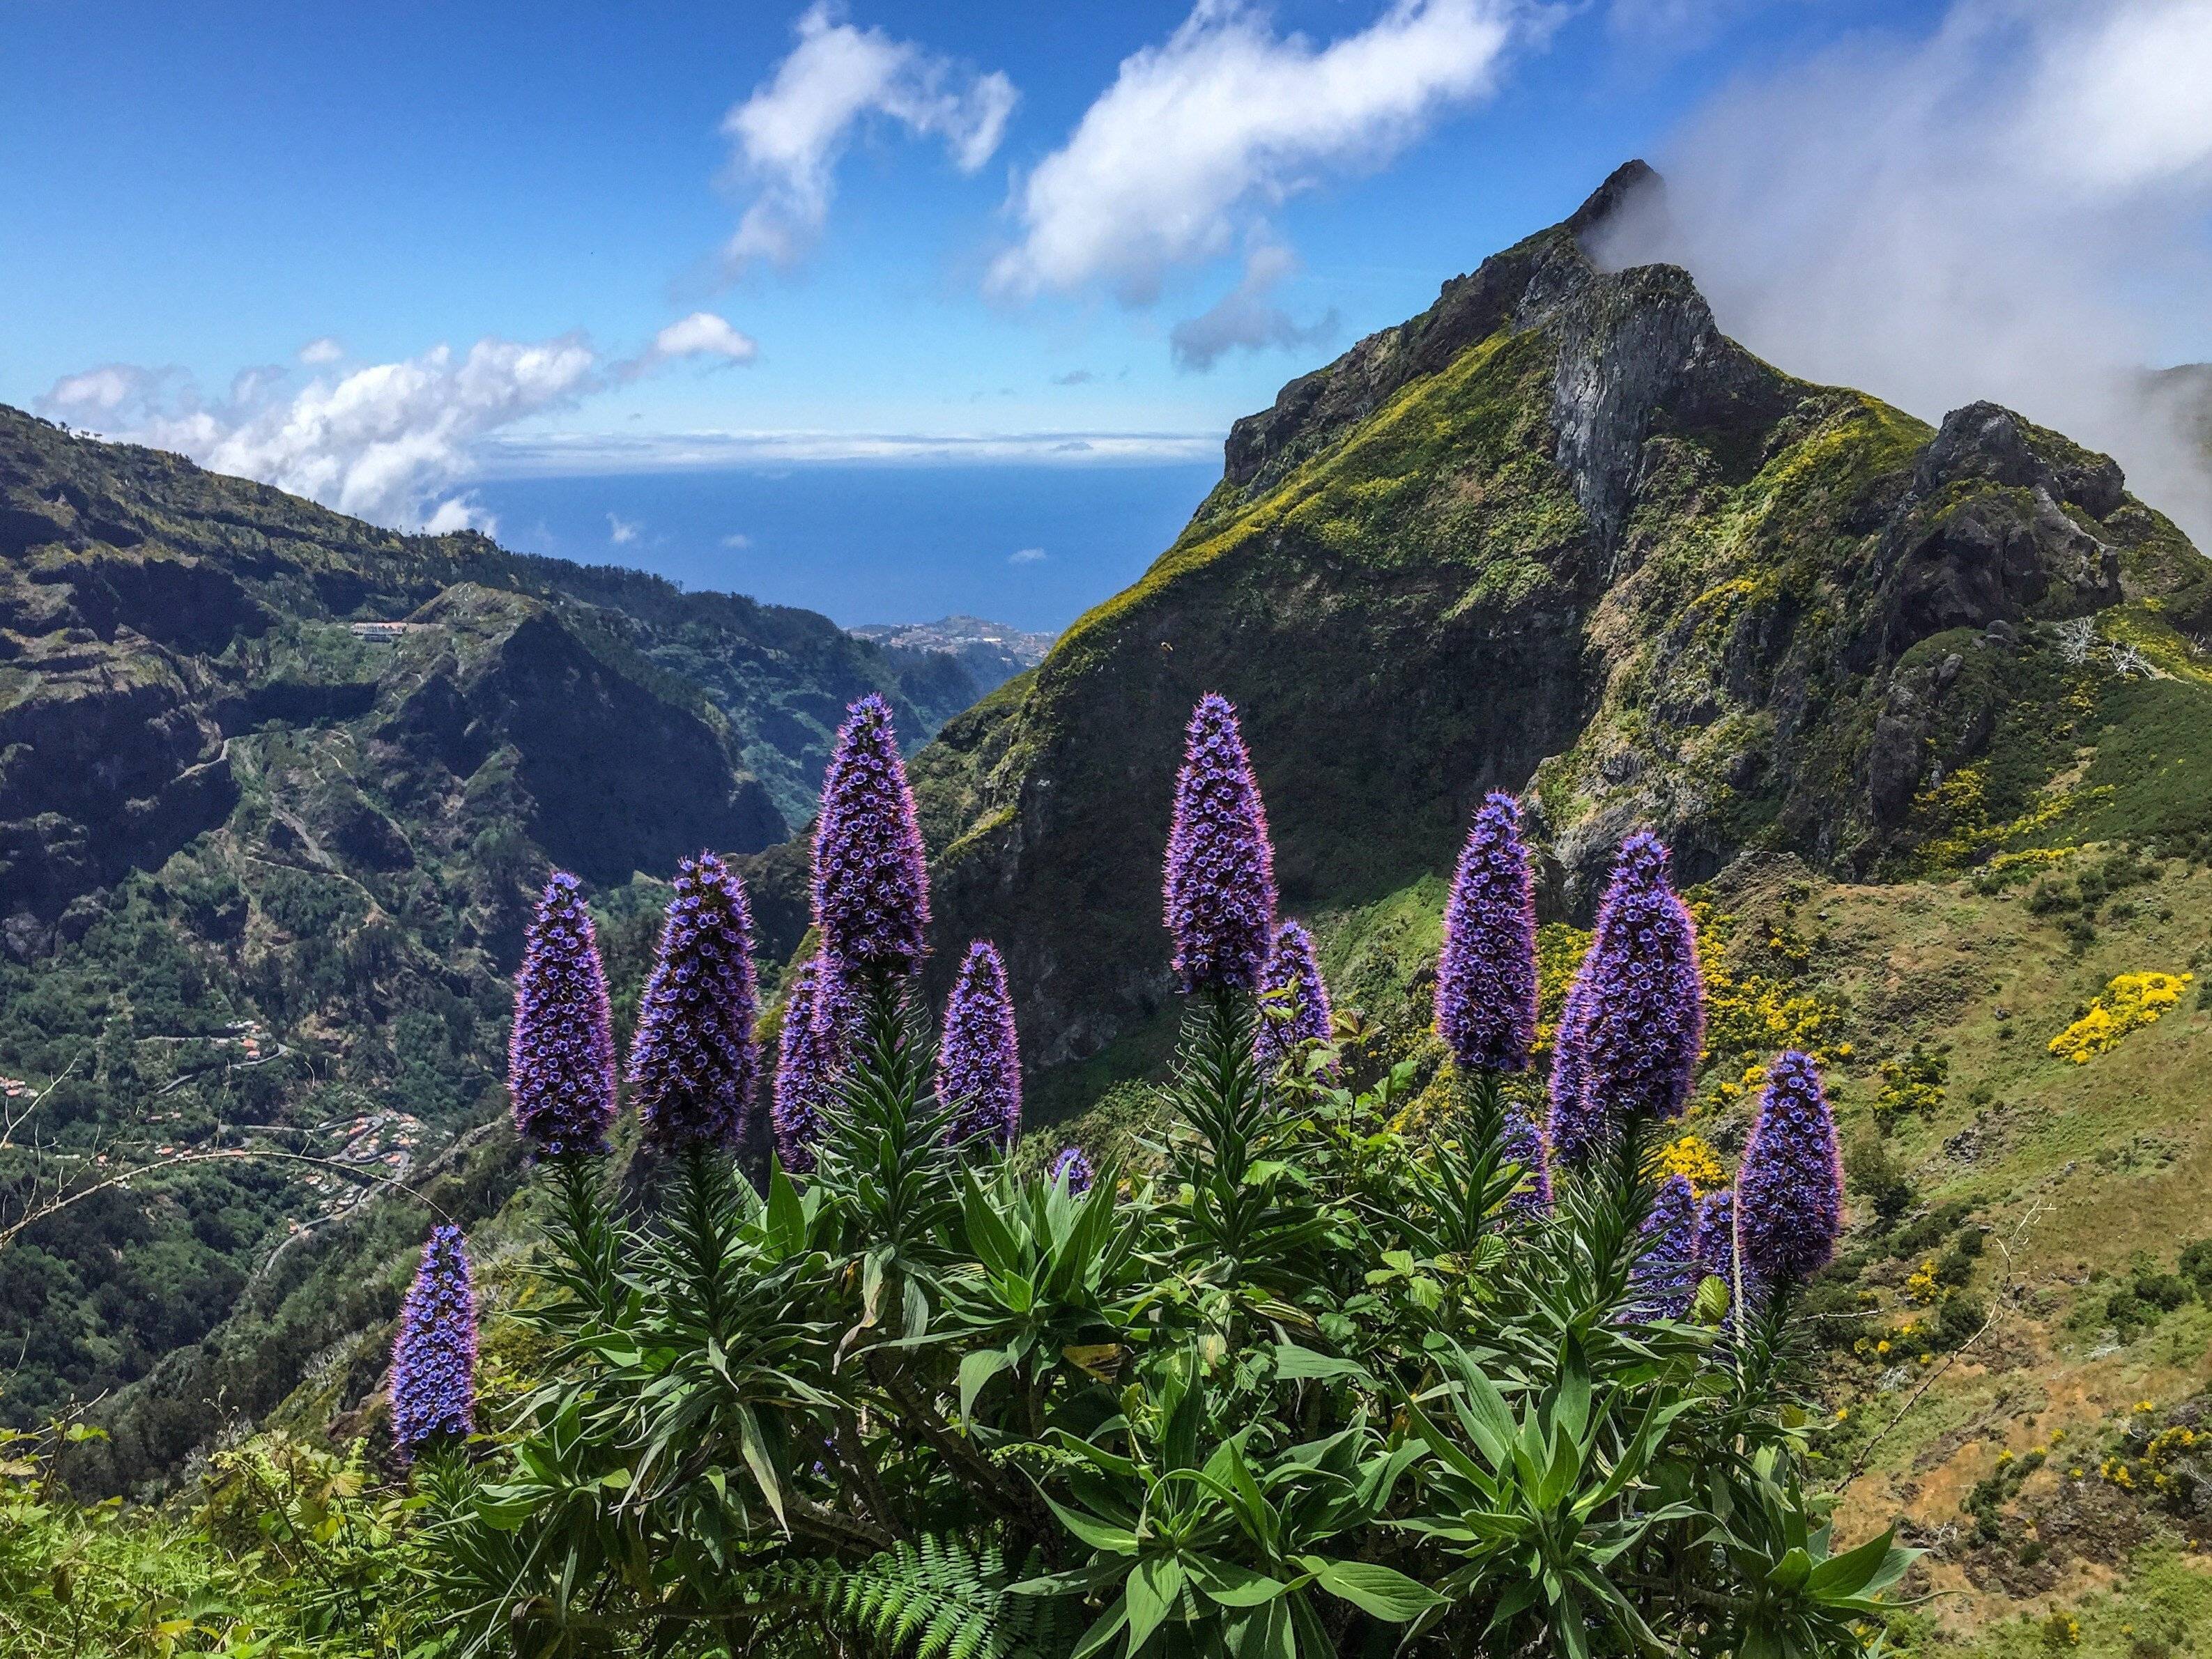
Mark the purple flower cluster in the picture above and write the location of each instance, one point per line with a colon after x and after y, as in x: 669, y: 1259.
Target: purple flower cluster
x: 1635, y: 1018
x: 1714, y: 1245
x: 692, y: 1063
x: 809, y: 1055
x: 433, y: 1358
x: 979, y: 1067
x: 1075, y: 1169
x: 1292, y: 970
x: 560, y: 1059
x: 1523, y: 1142
x: 1790, y: 1189
x: 871, y: 881
x: 1221, y: 886
x: 1667, y: 1274
x: 1486, y: 976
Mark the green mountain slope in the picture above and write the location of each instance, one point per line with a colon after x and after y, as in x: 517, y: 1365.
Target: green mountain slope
x: 1559, y: 534
x: 276, y: 790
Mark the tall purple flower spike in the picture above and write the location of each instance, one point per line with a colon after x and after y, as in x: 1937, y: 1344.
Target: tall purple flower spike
x: 809, y: 1055
x: 979, y: 1065
x: 1486, y: 975
x: 433, y: 1358
x: 1523, y: 1142
x: 1076, y: 1168
x: 871, y: 880
x: 1291, y: 967
x: 1634, y: 1019
x: 1666, y: 1274
x: 693, y: 1062
x: 1790, y: 1189
x: 1714, y: 1246
x: 1221, y: 886
x: 561, y: 1058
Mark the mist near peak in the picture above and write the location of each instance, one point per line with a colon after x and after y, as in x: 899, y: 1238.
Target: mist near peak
x: 2017, y: 206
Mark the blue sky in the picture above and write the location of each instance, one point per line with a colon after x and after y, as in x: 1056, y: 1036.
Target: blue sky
x: 1061, y: 237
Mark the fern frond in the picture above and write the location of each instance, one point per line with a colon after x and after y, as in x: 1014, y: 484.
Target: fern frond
x: 938, y: 1598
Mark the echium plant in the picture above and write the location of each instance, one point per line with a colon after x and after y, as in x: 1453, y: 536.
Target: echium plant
x: 561, y: 1057
x: 1302, y: 1383
x: 693, y: 1061
x: 434, y: 1358
x: 1634, y: 1021
x: 979, y: 1063
x: 871, y: 884
x: 1294, y: 1008
x: 810, y: 1052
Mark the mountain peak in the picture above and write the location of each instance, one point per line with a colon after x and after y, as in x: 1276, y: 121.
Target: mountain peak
x: 1632, y: 178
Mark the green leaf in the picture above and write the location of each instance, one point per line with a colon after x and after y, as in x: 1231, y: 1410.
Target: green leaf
x: 1848, y: 1574
x: 1099, y: 1534
x: 1378, y: 1591
x: 1790, y: 1572
x: 1155, y: 1585
x: 976, y: 1370
x: 1294, y: 1364
x: 1232, y: 1585
x: 786, y: 1216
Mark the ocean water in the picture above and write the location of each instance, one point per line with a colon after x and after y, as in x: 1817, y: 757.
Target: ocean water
x: 1030, y: 545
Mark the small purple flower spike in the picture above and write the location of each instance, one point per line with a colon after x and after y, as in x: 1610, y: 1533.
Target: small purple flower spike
x: 1714, y: 1244
x: 871, y: 879
x: 1791, y: 1187
x: 1523, y: 1142
x: 979, y: 1065
x: 1293, y: 968
x: 561, y: 1058
x: 1073, y: 1166
x: 1220, y: 886
x: 433, y: 1358
x: 1634, y: 1019
x: 1666, y: 1274
x: 810, y: 1054
x: 1486, y: 1005
x: 693, y: 1061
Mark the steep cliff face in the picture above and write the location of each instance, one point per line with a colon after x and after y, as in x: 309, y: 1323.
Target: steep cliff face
x: 1556, y: 535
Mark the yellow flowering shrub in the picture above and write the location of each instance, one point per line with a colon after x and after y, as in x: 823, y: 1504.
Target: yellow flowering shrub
x: 2129, y: 1002
x: 1692, y: 1158
x: 1749, y: 1016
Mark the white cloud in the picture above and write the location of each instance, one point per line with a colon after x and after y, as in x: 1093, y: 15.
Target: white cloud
x: 738, y: 541
x: 537, y: 455
x: 789, y: 135
x: 1246, y: 318
x: 1198, y: 136
x: 2015, y: 205
x: 385, y: 441
x: 381, y: 442
x: 318, y: 352
x: 1026, y: 555
x: 621, y: 532
x: 702, y: 334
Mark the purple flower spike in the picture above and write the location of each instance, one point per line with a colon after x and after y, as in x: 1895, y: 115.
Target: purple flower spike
x: 1073, y: 1167
x: 1292, y: 967
x: 871, y: 881
x: 1635, y: 1020
x: 979, y: 1067
x: 1792, y: 1186
x: 560, y: 1059
x: 1523, y: 1142
x: 1667, y: 1275
x: 1221, y: 886
x: 433, y: 1359
x: 809, y: 1055
x: 693, y: 1062
x: 1715, y: 1240
x: 1486, y: 976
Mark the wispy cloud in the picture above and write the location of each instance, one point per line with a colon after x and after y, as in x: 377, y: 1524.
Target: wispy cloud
x: 317, y: 353
x: 1201, y: 135
x: 2016, y: 204
x: 536, y: 455
x: 620, y: 530
x: 1026, y: 555
x: 1246, y: 318
x: 789, y: 135
x: 701, y: 334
